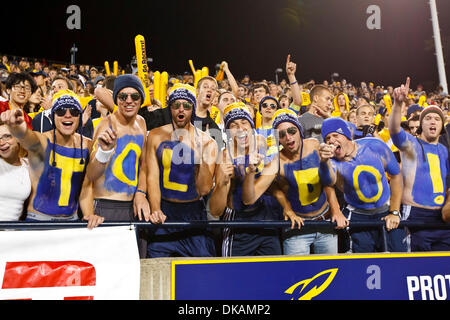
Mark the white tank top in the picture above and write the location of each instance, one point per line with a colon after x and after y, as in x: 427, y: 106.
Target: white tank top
x: 15, y: 187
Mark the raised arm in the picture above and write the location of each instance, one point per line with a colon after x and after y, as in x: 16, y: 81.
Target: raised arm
x: 400, y: 97
x: 105, y: 97
x: 104, y: 143
x: 233, y: 83
x: 32, y: 141
x: 291, y: 68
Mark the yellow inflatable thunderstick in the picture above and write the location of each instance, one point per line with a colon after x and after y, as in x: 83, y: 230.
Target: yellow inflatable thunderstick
x: 141, y: 58
x: 107, y: 70
x: 116, y: 68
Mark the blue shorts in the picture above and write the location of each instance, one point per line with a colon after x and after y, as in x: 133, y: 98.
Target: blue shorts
x: 427, y: 239
x: 184, y: 242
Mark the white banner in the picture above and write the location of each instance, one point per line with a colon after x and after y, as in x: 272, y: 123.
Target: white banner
x: 77, y: 264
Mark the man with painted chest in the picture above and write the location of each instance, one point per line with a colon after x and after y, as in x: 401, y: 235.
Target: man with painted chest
x: 362, y: 168
x: 116, y: 168
x: 57, y: 162
x: 180, y: 161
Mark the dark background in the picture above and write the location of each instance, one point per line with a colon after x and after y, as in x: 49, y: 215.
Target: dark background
x: 323, y: 36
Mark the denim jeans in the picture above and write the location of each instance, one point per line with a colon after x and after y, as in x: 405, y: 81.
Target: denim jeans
x: 311, y: 242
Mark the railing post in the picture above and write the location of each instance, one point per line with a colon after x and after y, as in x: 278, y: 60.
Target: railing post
x: 384, y: 242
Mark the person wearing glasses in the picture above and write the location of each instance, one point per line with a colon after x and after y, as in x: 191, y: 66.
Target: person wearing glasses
x: 57, y: 159
x: 301, y: 187
x: 267, y: 108
x: 180, y: 161
x: 19, y: 87
x: 117, y: 164
x: 42, y: 121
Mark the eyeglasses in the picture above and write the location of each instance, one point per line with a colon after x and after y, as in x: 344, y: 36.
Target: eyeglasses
x: 291, y: 131
x: 6, y: 137
x: 18, y: 87
x: 62, y: 112
x: 177, y: 105
x: 124, y: 96
x: 273, y: 106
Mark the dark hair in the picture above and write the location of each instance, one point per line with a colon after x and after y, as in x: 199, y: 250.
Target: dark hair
x: 260, y: 85
x: 61, y: 77
x: 415, y: 117
x: 16, y: 78
x: 109, y: 82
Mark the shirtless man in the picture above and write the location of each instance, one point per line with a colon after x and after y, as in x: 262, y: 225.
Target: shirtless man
x: 425, y: 166
x: 118, y: 145
x: 58, y: 161
x: 243, y: 148
x: 116, y: 168
x: 301, y: 187
x: 362, y: 167
x: 181, y: 161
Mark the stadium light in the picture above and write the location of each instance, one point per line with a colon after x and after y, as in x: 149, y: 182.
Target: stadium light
x: 438, y: 46
x: 277, y: 71
x: 73, y: 50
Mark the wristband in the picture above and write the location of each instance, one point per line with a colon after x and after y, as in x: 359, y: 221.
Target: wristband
x: 141, y: 191
x: 103, y: 156
x: 292, y: 83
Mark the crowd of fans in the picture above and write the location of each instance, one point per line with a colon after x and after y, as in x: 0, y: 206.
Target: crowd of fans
x: 43, y: 93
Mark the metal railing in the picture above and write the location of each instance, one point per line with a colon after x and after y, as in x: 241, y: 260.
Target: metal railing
x: 201, y: 224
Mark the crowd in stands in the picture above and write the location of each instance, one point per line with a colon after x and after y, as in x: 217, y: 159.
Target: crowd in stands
x: 76, y: 142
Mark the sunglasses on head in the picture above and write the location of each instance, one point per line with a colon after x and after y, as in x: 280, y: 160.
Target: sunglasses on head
x: 291, y: 131
x: 124, y: 96
x: 177, y: 105
x: 62, y: 112
x: 273, y: 106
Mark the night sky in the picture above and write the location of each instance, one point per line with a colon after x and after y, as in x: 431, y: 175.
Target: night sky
x: 323, y: 36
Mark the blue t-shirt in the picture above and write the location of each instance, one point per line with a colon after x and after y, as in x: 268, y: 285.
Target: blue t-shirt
x: 425, y: 167
x: 363, y: 178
